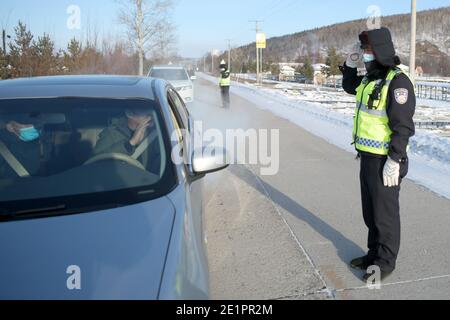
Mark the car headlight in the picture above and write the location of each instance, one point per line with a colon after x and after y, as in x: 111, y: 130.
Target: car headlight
x: 184, y: 88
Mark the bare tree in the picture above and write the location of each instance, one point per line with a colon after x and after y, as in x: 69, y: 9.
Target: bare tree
x: 164, y: 43
x: 143, y: 20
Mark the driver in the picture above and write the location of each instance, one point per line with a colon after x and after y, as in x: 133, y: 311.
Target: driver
x: 126, y: 134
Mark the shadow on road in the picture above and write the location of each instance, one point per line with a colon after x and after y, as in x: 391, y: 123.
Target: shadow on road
x: 346, y: 249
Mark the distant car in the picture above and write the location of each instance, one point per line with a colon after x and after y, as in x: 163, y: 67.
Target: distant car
x: 178, y: 77
x: 300, y: 78
x: 80, y: 224
x: 191, y: 74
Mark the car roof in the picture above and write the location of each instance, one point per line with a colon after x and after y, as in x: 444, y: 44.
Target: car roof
x: 167, y: 67
x: 78, y: 86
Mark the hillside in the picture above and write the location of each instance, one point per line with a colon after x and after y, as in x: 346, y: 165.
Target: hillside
x: 433, y: 41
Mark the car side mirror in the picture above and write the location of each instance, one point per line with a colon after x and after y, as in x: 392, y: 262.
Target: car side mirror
x: 193, y: 78
x: 209, y: 159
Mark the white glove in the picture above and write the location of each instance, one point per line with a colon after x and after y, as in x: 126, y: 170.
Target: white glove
x: 354, y: 56
x: 391, y: 173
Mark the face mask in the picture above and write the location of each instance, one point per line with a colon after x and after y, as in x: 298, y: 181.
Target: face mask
x: 29, y: 134
x: 368, y: 57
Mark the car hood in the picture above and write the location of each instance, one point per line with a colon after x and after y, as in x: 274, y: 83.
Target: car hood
x: 180, y: 83
x: 114, y: 254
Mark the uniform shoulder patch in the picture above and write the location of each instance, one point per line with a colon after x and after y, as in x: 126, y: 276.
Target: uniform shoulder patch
x: 401, y: 95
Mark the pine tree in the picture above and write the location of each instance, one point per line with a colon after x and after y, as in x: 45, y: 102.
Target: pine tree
x: 72, y: 57
x: 3, y: 65
x: 275, y: 69
x: 46, y: 60
x: 333, y: 61
x: 307, y: 70
x: 244, y: 68
x: 22, y: 52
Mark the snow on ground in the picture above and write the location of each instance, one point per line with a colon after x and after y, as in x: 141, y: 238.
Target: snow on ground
x: 329, y: 114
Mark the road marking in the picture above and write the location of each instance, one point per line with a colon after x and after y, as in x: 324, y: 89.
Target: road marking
x: 396, y: 283
x: 329, y: 292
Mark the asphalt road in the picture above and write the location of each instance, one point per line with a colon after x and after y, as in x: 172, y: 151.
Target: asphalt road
x: 291, y: 235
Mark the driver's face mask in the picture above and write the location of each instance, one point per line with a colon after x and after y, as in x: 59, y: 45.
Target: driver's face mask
x: 29, y: 134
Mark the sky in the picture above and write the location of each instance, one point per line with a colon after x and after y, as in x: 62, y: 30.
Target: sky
x: 202, y: 25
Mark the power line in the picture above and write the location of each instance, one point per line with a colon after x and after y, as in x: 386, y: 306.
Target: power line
x: 269, y: 7
x: 279, y: 9
x: 275, y: 8
x: 257, y: 22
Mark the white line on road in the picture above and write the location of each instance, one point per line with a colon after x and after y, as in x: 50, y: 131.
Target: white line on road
x: 396, y: 283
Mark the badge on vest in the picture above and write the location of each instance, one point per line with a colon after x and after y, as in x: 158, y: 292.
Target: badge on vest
x: 401, y: 95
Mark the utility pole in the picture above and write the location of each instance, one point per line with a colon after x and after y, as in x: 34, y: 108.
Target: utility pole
x: 257, y: 22
x: 4, y: 41
x: 412, y: 58
x: 261, y: 62
x: 229, y: 54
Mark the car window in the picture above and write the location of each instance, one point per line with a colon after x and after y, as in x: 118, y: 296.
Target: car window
x: 169, y: 74
x: 177, y: 126
x: 90, y: 146
x: 180, y: 117
x: 180, y: 108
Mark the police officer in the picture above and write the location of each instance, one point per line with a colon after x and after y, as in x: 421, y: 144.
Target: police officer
x: 383, y: 126
x: 224, y: 83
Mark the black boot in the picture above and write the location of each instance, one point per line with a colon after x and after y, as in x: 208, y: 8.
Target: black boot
x: 360, y: 263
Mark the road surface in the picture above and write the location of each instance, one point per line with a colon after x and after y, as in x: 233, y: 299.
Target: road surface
x: 291, y: 235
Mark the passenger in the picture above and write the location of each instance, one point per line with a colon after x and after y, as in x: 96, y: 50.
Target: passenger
x: 22, y: 141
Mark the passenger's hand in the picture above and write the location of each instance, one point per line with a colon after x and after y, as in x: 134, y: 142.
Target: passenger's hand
x: 354, y: 56
x: 139, y: 133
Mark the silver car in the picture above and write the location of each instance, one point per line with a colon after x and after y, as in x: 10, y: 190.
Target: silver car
x: 178, y: 77
x: 84, y: 212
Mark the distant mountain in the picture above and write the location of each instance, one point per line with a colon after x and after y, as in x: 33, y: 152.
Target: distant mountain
x: 433, y: 41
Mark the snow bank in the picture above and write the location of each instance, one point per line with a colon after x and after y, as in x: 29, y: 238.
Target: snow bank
x: 429, y: 154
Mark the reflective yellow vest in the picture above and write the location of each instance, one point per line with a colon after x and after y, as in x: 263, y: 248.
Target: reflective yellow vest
x: 225, y: 81
x: 371, y: 132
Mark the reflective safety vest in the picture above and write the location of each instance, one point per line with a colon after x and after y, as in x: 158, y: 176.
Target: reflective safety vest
x: 371, y: 132
x: 225, y: 79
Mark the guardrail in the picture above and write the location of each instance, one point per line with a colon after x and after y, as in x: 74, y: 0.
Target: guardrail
x: 433, y: 91
x: 424, y: 90
x: 432, y: 124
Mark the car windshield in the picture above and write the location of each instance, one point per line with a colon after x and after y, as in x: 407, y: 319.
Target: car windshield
x: 169, y: 74
x: 76, y: 153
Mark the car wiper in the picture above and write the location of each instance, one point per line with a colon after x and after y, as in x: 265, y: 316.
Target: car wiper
x: 146, y: 191
x: 18, y: 214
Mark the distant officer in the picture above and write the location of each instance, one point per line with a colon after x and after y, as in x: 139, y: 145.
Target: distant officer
x: 224, y: 83
x: 383, y: 126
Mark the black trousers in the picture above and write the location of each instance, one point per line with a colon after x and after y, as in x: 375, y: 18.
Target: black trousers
x: 381, y: 212
x: 225, y: 93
